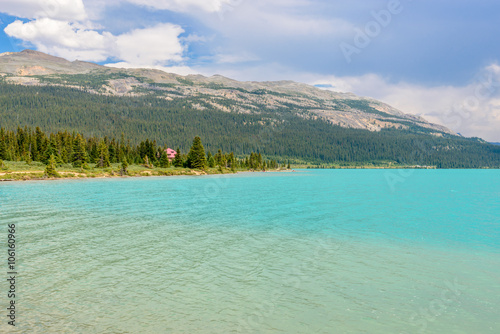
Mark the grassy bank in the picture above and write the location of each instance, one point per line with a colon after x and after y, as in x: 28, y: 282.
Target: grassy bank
x: 18, y: 171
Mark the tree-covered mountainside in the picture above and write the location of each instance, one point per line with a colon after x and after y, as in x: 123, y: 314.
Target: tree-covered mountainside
x: 273, y: 132
x: 33, y: 68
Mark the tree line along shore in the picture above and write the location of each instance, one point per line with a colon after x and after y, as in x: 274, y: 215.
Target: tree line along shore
x: 32, y: 154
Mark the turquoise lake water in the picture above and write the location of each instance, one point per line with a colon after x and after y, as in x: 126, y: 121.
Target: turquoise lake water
x: 315, y: 251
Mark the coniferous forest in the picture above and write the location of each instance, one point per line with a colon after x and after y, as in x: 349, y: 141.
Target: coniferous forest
x: 57, y: 149
x: 71, y: 123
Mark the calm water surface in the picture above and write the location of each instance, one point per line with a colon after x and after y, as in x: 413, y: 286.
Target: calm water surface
x: 335, y: 251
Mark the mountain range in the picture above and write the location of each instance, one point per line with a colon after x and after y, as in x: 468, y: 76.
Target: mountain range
x: 280, y: 119
x: 344, y: 109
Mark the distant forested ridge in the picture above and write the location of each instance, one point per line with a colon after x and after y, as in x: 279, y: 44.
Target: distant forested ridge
x: 276, y: 134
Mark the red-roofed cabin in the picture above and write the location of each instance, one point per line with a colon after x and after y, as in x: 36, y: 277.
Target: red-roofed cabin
x: 170, y: 154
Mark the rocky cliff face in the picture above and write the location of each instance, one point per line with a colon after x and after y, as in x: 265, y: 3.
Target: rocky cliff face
x: 345, y: 109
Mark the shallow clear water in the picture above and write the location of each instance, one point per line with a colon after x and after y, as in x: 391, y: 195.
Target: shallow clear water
x: 334, y: 251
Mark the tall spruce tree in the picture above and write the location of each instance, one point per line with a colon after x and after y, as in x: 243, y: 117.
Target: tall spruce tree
x: 124, y: 171
x: 196, y: 157
x: 50, y: 169
x: 80, y: 156
x: 164, y: 162
x: 211, y: 161
x: 103, y: 155
x: 3, y: 150
x: 177, y: 162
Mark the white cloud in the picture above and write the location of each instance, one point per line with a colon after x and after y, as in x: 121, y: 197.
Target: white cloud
x: 224, y: 58
x: 210, y: 6
x: 63, y: 39
x: 263, y: 20
x: 72, y: 10
x: 155, y: 46
x: 472, y: 110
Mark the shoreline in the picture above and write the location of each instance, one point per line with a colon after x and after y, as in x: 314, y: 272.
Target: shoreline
x: 37, y: 175
x: 70, y: 175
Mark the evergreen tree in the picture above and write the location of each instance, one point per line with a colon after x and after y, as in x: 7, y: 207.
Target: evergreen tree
x: 50, y: 169
x: 164, y: 162
x: 211, y: 161
x: 3, y: 145
x: 94, y: 155
x: 231, y: 159
x: 178, y: 162
x: 218, y: 158
x: 41, y: 144
x: 103, y: 155
x: 289, y: 167
x: 50, y: 150
x: 196, y: 157
x: 28, y: 158
x: 112, y: 151
x: 79, y: 152
x: 123, y: 171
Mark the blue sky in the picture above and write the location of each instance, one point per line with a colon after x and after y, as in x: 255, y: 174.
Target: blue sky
x: 437, y: 59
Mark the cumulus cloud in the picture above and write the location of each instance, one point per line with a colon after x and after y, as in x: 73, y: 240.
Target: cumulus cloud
x: 472, y: 110
x: 157, y: 45
x: 70, y: 10
x: 63, y: 39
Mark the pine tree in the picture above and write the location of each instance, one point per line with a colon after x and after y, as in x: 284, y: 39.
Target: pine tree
x: 3, y: 148
x: 28, y: 158
x: 164, y: 162
x: 289, y: 167
x: 211, y: 161
x: 50, y: 169
x: 196, y: 157
x: 177, y: 162
x: 218, y: 158
x: 79, y: 152
x: 50, y: 150
x: 123, y: 171
x: 103, y: 155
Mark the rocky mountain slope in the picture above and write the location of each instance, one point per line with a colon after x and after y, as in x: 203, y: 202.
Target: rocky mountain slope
x: 216, y: 92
